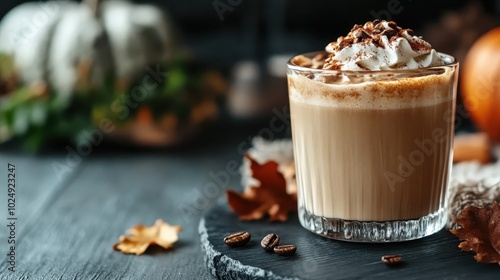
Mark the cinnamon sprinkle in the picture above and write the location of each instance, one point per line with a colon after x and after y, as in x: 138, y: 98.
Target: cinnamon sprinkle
x: 372, y: 32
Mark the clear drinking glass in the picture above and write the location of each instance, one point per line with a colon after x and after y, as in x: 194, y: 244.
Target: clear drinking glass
x: 373, y: 150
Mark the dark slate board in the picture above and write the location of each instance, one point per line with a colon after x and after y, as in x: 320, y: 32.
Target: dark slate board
x: 436, y: 256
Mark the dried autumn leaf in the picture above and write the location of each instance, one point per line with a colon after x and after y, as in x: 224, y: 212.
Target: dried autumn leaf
x: 480, y: 232
x: 270, y: 198
x: 279, y: 151
x: 141, y: 237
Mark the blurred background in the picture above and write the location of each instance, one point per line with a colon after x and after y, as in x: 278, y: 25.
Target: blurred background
x: 217, y: 63
x: 259, y: 29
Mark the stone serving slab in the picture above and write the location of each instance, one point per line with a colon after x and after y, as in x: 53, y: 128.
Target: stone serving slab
x: 436, y: 256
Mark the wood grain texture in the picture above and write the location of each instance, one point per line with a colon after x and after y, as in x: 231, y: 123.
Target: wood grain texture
x: 69, y: 227
x: 74, y: 235
x: 36, y: 184
x: 434, y: 257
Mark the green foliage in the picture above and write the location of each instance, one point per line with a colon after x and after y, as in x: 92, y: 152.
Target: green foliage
x: 6, y: 66
x: 36, y: 120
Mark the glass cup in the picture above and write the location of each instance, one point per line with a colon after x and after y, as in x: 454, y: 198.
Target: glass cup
x: 373, y: 149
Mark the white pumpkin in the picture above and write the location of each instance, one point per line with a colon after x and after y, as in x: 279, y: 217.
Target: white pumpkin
x: 78, y: 38
x: 25, y: 34
x: 140, y: 35
x: 50, y: 41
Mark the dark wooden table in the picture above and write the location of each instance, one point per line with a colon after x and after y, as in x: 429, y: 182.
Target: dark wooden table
x: 68, y: 221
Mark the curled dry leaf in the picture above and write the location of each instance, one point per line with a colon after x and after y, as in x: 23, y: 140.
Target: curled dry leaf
x: 141, y: 237
x: 279, y: 151
x: 480, y: 232
x: 270, y: 198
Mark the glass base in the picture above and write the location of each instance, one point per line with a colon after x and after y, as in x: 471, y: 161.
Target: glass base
x: 365, y: 231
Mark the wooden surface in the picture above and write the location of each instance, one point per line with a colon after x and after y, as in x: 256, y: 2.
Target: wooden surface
x: 66, y: 228
x: 433, y: 257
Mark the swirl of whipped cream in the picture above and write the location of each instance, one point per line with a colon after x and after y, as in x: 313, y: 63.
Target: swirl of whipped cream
x: 381, y: 45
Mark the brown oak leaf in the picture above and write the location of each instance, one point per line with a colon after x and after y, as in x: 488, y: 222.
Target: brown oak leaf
x: 141, y: 237
x: 480, y: 232
x: 270, y: 198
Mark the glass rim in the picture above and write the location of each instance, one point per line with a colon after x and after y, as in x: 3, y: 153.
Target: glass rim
x: 291, y: 66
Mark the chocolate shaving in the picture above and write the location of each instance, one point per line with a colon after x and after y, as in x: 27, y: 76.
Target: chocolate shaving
x: 389, y: 32
x: 372, y: 32
x: 360, y: 34
x: 392, y: 24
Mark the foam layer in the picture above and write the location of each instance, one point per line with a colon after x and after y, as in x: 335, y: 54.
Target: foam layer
x: 388, y: 94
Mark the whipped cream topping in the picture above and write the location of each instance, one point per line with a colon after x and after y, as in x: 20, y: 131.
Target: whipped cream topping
x: 381, y: 45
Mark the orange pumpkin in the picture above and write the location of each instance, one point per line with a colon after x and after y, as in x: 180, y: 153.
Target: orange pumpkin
x: 480, y: 83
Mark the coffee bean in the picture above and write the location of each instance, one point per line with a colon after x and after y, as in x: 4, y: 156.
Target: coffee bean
x: 237, y: 239
x: 270, y: 241
x: 392, y: 259
x: 285, y: 250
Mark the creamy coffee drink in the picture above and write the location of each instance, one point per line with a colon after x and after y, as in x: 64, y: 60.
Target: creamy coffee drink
x: 372, y: 128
